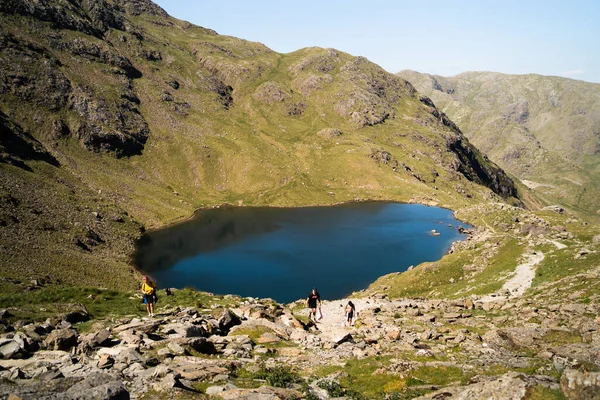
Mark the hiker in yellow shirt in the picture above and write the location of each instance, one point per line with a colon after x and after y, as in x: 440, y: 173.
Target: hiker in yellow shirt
x: 148, y: 290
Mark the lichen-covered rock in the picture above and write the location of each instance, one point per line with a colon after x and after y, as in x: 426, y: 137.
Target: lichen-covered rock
x: 31, y: 73
x: 86, y: 16
x: 270, y: 92
x: 61, y: 339
x: 510, y: 386
x: 228, y: 320
x: 330, y: 133
x: 580, y: 385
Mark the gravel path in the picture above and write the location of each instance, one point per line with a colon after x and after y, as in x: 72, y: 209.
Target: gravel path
x: 524, y: 274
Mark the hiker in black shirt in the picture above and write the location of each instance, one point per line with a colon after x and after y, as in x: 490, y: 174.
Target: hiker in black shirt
x: 313, y: 299
x: 350, y: 311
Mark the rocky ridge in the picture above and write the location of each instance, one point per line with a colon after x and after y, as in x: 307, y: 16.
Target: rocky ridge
x: 541, y: 129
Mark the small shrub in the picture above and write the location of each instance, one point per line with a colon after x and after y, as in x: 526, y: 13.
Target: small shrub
x: 334, y: 389
x: 278, y: 376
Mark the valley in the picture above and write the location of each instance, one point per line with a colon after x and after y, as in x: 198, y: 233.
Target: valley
x: 117, y: 119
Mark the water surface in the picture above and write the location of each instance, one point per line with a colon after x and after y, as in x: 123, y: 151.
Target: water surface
x: 282, y: 253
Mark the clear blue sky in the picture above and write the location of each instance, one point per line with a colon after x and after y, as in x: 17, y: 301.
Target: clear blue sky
x: 439, y: 37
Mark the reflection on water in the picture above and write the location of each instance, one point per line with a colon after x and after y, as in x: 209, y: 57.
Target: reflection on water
x: 208, y: 230
x: 282, y: 253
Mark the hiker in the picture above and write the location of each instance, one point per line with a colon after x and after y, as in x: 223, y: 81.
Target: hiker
x: 313, y: 299
x: 149, y: 292
x: 350, y: 312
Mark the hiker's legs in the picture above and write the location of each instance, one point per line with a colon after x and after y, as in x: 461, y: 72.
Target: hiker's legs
x: 151, y: 308
x: 312, y: 314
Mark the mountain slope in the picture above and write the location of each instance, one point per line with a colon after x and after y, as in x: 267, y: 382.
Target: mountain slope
x: 544, y: 130
x: 116, y: 116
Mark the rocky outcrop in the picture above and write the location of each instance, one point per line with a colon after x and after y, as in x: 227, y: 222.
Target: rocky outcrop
x: 330, y: 133
x: 270, y: 92
x: 17, y: 147
x: 477, y: 168
x: 39, y: 81
x: 90, y: 17
x: 115, y: 127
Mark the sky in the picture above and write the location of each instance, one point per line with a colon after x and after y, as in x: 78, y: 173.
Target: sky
x: 560, y: 38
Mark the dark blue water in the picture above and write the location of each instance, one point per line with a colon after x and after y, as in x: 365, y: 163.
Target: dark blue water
x: 282, y: 253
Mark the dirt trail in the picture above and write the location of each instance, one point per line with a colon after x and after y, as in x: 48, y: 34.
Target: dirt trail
x: 524, y: 274
x: 522, y: 278
x: 332, y: 325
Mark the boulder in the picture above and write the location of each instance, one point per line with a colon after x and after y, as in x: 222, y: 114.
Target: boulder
x: 510, y: 386
x: 137, y: 326
x: 130, y: 337
x: 268, y: 337
x: 573, y: 308
x: 61, y: 339
x: 217, y: 390
x: 101, y: 337
x: 514, y: 338
x: 176, y: 349
x: 89, y: 342
x: 16, y: 373
x: 78, y: 315
x: 106, y: 361
x: 394, y: 334
x: 228, y: 320
x: 341, y: 337
x: 184, y: 330
x: 10, y: 349
x: 50, y: 375
x: 452, y: 316
x: 123, y: 353
x: 330, y: 133
x: 114, y: 390
x: 580, y: 385
x: 201, y: 345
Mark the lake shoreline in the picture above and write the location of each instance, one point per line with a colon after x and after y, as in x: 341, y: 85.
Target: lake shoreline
x: 392, y: 218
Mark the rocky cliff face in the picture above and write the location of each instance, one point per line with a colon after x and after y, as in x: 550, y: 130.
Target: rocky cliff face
x: 543, y: 130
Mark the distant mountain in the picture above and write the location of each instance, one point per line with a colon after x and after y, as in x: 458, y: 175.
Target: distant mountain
x: 545, y: 130
x: 116, y: 115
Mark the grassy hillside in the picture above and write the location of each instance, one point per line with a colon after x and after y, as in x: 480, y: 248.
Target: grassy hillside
x: 544, y: 130
x: 117, y: 117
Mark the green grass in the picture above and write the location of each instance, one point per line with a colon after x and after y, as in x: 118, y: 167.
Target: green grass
x: 362, y: 380
x: 540, y: 392
x: 101, y: 304
x: 436, y: 375
x: 434, y: 279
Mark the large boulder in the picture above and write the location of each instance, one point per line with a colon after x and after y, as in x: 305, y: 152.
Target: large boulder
x: 78, y: 314
x: 185, y: 330
x: 515, y: 338
x: 510, y: 386
x: 11, y: 349
x: 228, y: 320
x: 97, y: 386
x: 61, y: 339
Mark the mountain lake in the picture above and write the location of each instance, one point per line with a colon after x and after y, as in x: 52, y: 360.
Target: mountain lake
x: 282, y: 253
